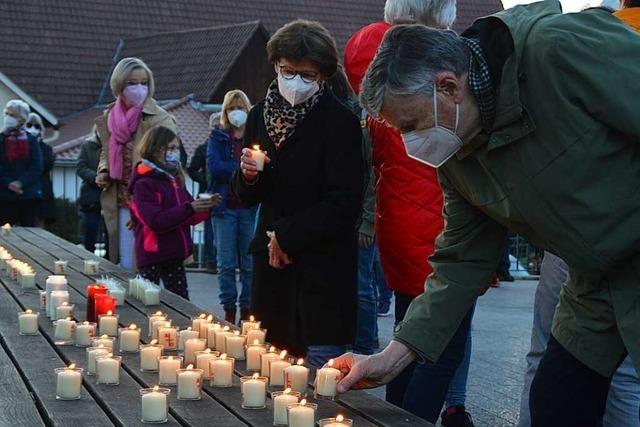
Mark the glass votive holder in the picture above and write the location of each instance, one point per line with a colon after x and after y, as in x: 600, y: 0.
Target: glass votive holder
x: 149, y: 356
x: 68, y: 382
x: 189, y: 383
x: 253, y: 353
x: 85, y: 332
x: 105, y: 340
x: 108, y: 369
x: 108, y: 324
x: 168, y: 337
x: 65, y: 310
x: 256, y: 334
x: 326, y: 382
x: 92, y: 354
x: 64, y: 331
x: 338, y: 421
x: 28, y: 321
x: 249, y: 324
x: 221, y: 371
x: 60, y: 267
x: 302, y: 414
x: 281, y: 400
x: 129, y: 339
x: 168, y: 367
x: 154, y: 405
x: 254, y: 391
x: 202, y: 361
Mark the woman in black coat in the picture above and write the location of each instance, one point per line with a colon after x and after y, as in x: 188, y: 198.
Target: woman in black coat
x: 305, y: 249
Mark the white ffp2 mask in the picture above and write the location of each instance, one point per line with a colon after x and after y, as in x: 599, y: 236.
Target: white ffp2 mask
x: 296, y: 90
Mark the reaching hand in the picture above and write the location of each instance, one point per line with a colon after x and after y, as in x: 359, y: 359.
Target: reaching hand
x: 16, y: 187
x: 248, y: 165
x: 103, y: 180
x: 202, y: 205
x: 277, y: 257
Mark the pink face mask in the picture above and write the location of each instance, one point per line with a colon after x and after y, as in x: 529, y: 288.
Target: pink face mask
x: 136, y: 94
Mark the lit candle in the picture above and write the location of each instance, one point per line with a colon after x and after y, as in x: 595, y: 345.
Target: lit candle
x: 202, y: 361
x: 6, y: 229
x: 265, y: 358
x: 326, y: 381
x: 235, y: 345
x: 91, y: 266
x: 249, y: 324
x: 64, y: 310
x: 190, y: 347
x: 254, y: 351
x: 84, y: 333
x: 302, y: 414
x: 185, y: 335
x: 68, y: 382
x: 221, y: 371
x: 28, y: 321
x: 338, y: 421
x: 204, y: 326
x: 54, y: 283
x: 297, y: 377
x: 92, y: 354
x: 157, y: 324
x: 220, y: 341
x: 64, y: 331
x: 60, y: 267
x: 56, y: 299
x: 105, y: 340
x: 28, y: 280
x: 169, y: 366
x: 154, y: 404
x: 195, y: 322
x: 258, y: 156
x: 168, y: 337
x: 276, y: 369
x: 281, y: 400
x: 256, y: 334
x: 211, y: 334
x: 253, y: 391
x: 129, y: 339
x: 108, y: 324
x: 149, y: 356
x: 158, y: 315
x: 189, y: 383
x: 108, y: 369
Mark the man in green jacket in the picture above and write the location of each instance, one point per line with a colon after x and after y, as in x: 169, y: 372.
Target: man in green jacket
x: 533, y: 117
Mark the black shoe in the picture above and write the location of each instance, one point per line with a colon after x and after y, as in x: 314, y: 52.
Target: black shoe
x: 456, y: 416
x: 384, y: 309
x: 506, y: 277
x: 230, y: 316
x: 212, y: 268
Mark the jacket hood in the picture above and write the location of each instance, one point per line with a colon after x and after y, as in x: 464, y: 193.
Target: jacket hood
x: 142, y: 171
x: 360, y: 51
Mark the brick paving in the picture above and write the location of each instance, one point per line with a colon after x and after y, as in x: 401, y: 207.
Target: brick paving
x: 501, y: 334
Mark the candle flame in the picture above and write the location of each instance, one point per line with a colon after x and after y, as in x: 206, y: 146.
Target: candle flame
x: 29, y: 311
x: 101, y: 346
x: 283, y: 354
x: 109, y: 313
x: 252, y: 318
x: 189, y: 328
x: 190, y: 367
x: 236, y: 333
x: 104, y: 337
x: 339, y: 418
x: 202, y: 316
x: 153, y: 342
x: 208, y: 351
x: 330, y: 363
x: 86, y: 322
x: 223, y: 356
x: 303, y: 402
x: 256, y: 147
x: 68, y: 318
x: 300, y: 362
x: 133, y: 326
x: 156, y: 388
x: 170, y: 358
x: 256, y: 376
x: 256, y: 342
x: 226, y: 328
x: 209, y: 318
x: 65, y: 303
x: 286, y: 391
x: 158, y: 313
x: 73, y: 365
x: 272, y: 349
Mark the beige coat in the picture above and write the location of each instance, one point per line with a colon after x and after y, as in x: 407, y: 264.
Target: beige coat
x: 152, y: 115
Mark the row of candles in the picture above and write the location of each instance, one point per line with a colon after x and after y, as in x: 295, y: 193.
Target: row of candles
x: 144, y: 291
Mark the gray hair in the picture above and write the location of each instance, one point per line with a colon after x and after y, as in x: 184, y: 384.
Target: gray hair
x: 35, y: 119
x: 19, y: 108
x: 407, y: 63
x: 432, y: 13
x: 121, y: 73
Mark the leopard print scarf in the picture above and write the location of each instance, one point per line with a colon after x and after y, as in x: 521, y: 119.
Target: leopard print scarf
x: 280, y: 117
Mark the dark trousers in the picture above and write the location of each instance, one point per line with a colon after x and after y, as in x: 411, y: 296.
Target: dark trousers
x: 565, y: 392
x: 422, y: 387
x: 94, y: 231
x: 504, y: 265
x: 19, y: 212
x: 173, y: 276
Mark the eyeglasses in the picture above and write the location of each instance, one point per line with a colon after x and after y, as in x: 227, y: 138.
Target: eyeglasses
x: 30, y: 125
x: 306, y: 76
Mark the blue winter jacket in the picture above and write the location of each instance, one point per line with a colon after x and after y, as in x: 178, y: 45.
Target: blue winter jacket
x: 220, y: 166
x: 27, y: 170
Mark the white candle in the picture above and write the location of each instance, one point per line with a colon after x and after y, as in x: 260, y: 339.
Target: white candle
x: 92, y: 354
x: 28, y: 280
x: 276, y: 369
x: 211, y: 334
x: 190, y: 348
x: 221, y: 371
x: 168, y: 337
x: 254, y: 352
x: 91, y: 266
x: 152, y: 296
x: 297, y: 377
x: 6, y: 229
x: 153, y: 317
x: 169, y: 366
x: 54, y: 283
x: 104, y: 340
x: 108, y: 324
x: 149, y: 356
x: 253, y: 391
x: 235, y: 345
x: 129, y: 339
x: 204, y: 326
x: 220, y: 341
x: 108, y: 369
x: 28, y: 321
x: 195, y: 322
x: 281, y: 400
x: 56, y: 299
x: 84, y: 333
x: 264, y: 361
x: 60, y: 267
x: 64, y: 310
x: 185, y: 335
x: 326, y: 381
x: 256, y: 334
x: 154, y: 404
x: 202, y: 361
x: 258, y: 156
x: 338, y: 421
x: 249, y: 324
x: 64, y: 330
x: 302, y: 414
x: 43, y: 300
x: 189, y: 383
x: 119, y: 294
x: 68, y: 383
x: 157, y: 324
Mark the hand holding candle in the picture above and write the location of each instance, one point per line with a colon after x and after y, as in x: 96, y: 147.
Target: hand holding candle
x: 252, y: 161
x: 326, y: 381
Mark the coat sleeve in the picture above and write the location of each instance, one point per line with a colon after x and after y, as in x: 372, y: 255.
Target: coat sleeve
x: 86, y: 173
x: 465, y: 258
x: 149, y: 211
x: 196, y: 169
x: 369, y: 204
x: 341, y: 206
x: 219, y: 168
x: 34, y: 172
x: 48, y: 159
x: 250, y: 193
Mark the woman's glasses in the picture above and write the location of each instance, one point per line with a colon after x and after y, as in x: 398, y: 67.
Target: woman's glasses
x: 306, y: 76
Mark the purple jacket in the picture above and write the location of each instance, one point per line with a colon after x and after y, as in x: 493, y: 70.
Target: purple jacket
x: 162, y: 214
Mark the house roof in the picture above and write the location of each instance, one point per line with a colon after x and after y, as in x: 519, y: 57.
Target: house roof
x: 62, y: 53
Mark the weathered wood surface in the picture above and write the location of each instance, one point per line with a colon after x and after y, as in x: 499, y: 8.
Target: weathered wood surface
x: 120, y: 404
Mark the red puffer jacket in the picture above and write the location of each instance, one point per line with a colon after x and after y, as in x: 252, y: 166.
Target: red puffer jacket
x: 408, y: 196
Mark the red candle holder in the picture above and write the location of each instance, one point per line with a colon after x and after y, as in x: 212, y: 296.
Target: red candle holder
x: 92, y: 291
x: 104, y: 304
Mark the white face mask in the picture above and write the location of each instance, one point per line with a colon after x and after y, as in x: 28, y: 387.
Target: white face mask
x: 296, y: 90
x: 237, y: 118
x: 433, y: 146
x: 33, y: 131
x: 10, y: 122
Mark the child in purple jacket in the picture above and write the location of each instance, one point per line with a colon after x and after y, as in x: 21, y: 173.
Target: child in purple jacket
x: 162, y: 211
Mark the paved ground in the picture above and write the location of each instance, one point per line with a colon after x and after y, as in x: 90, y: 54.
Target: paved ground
x: 501, y: 333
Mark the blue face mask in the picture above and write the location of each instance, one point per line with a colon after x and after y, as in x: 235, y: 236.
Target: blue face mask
x: 172, y: 159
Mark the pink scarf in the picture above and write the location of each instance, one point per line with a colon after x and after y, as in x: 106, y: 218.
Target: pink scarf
x: 122, y: 125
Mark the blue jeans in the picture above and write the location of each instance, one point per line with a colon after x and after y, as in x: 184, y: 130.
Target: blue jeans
x: 318, y: 355
x: 367, y: 311
x: 233, y: 231
x: 210, y: 252
x: 623, y: 402
x: 457, y: 393
x: 383, y: 292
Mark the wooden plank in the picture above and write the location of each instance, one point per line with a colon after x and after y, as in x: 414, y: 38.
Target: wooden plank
x: 37, y: 359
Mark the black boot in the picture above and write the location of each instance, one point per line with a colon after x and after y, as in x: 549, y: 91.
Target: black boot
x: 230, y: 316
x: 456, y: 416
